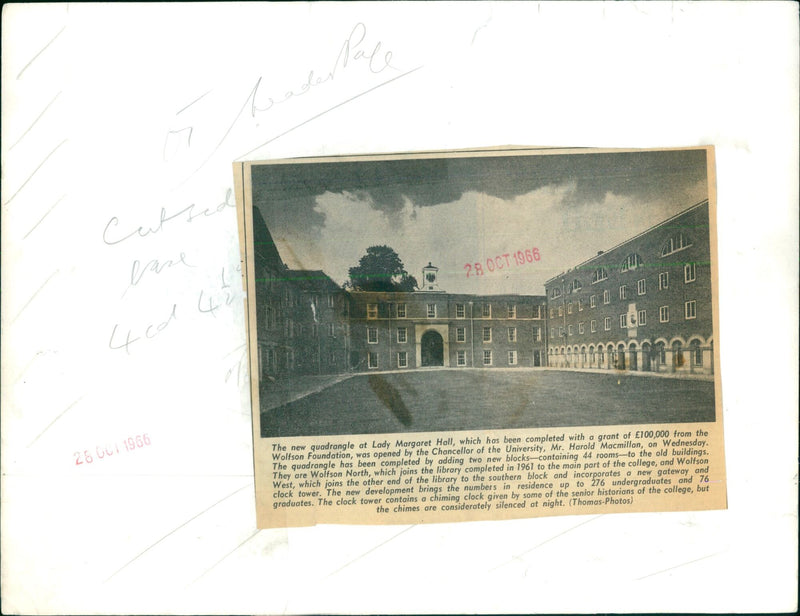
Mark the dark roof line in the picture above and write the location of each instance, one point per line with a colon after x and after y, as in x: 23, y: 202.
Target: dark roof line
x: 630, y: 239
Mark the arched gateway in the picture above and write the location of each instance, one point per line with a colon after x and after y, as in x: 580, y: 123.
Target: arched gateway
x: 432, y: 346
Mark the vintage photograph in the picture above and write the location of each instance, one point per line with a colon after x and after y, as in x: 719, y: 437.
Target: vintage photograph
x: 481, y: 290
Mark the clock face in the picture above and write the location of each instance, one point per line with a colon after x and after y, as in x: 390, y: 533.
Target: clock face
x: 431, y: 277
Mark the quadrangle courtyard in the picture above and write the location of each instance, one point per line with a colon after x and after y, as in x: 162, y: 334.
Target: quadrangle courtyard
x: 474, y: 399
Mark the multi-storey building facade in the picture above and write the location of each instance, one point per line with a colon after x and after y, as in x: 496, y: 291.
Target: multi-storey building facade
x: 643, y: 305
x: 398, y: 331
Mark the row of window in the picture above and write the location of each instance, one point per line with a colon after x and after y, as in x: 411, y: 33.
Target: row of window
x: 461, y: 359
x: 689, y: 276
x: 601, y: 274
x: 689, y: 312
x: 461, y: 334
x: 431, y: 311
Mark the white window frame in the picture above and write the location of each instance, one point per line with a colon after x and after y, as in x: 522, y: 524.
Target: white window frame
x: 623, y: 321
x: 642, y: 316
x: 485, y: 331
x: 641, y: 286
x: 429, y: 311
x: 460, y: 311
x: 537, y: 334
x: 370, y: 331
x: 690, y: 309
x: 404, y: 336
x: 606, y: 296
x: 623, y: 291
x: 372, y: 311
x: 569, y: 330
x: 581, y: 327
x: 330, y: 301
x: 461, y: 358
x: 512, y: 334
x: 461, y: 334
x: 663, y: 281
x: 593, y: 326
x: 569, y: 308
x: 401, y: 311
x: 512, y: 311
x: 607, y: 324
x: 512, y: 358
x: 689, y: 272
x: 486, y: 311
x: 370, y: 356
x: 663, y: 314
x: 487, y: 354
x: 402, y: 359
x: 580, y: 305
x: 593, y: 301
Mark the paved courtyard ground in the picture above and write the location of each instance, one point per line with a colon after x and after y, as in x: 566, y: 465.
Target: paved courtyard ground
x: 466, y: 399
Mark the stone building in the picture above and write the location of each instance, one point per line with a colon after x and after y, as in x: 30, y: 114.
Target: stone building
x: 642, y: 305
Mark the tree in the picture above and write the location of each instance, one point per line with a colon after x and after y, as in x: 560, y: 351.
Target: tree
x: 381, y: 270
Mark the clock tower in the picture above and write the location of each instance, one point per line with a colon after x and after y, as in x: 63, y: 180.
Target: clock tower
x: 430, y: 276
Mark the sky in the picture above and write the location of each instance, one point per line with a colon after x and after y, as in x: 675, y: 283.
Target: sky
x: 455, y: 211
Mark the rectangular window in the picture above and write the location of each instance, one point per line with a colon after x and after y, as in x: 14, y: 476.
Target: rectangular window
x: 561, y: 332
x: 641, y: 287
x: 623, y: 321
x: 593, y: 326
x: 593, y: 301
x: 561, y: 311
x: 331, y: 329
x: 580, y: 305
x: 569, y: 308
x: 372, y: 335
x: 607, y: 323
x: 689, y: 272
x: 690, y: 309
x: 401, y: 311
x: 606, y: 297
x: 663, y: 281
x: 372, y: 360
x: 461, y: 358
x: 402, y: 359
x: 487, y: 358
x: 486, y: 311
x: 372, y: 311
x: 512, y: 358
x: 461, y: 334
x: 537, y: 312
x: 459, y: 311
x: 512, y: 334
x: 512, y: 311
x: 487, y: 334
x: 642, y: 317
x: 623, y: 292
x: 663, y: 314
x: 580, y: 328
x: 330, y: 301
x: 402, y: 335
x: 569, y: 330
x: 431, y: 311
x: 537, y: 334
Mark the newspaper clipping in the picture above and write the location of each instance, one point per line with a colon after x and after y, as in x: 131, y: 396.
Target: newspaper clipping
x: 484, y: 334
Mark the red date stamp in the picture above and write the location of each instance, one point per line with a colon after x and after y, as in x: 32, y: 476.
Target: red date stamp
x: 504, y: 261
x: 100, y: 452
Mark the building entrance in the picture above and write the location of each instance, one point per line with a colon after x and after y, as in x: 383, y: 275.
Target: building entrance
x: 432, y: 347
